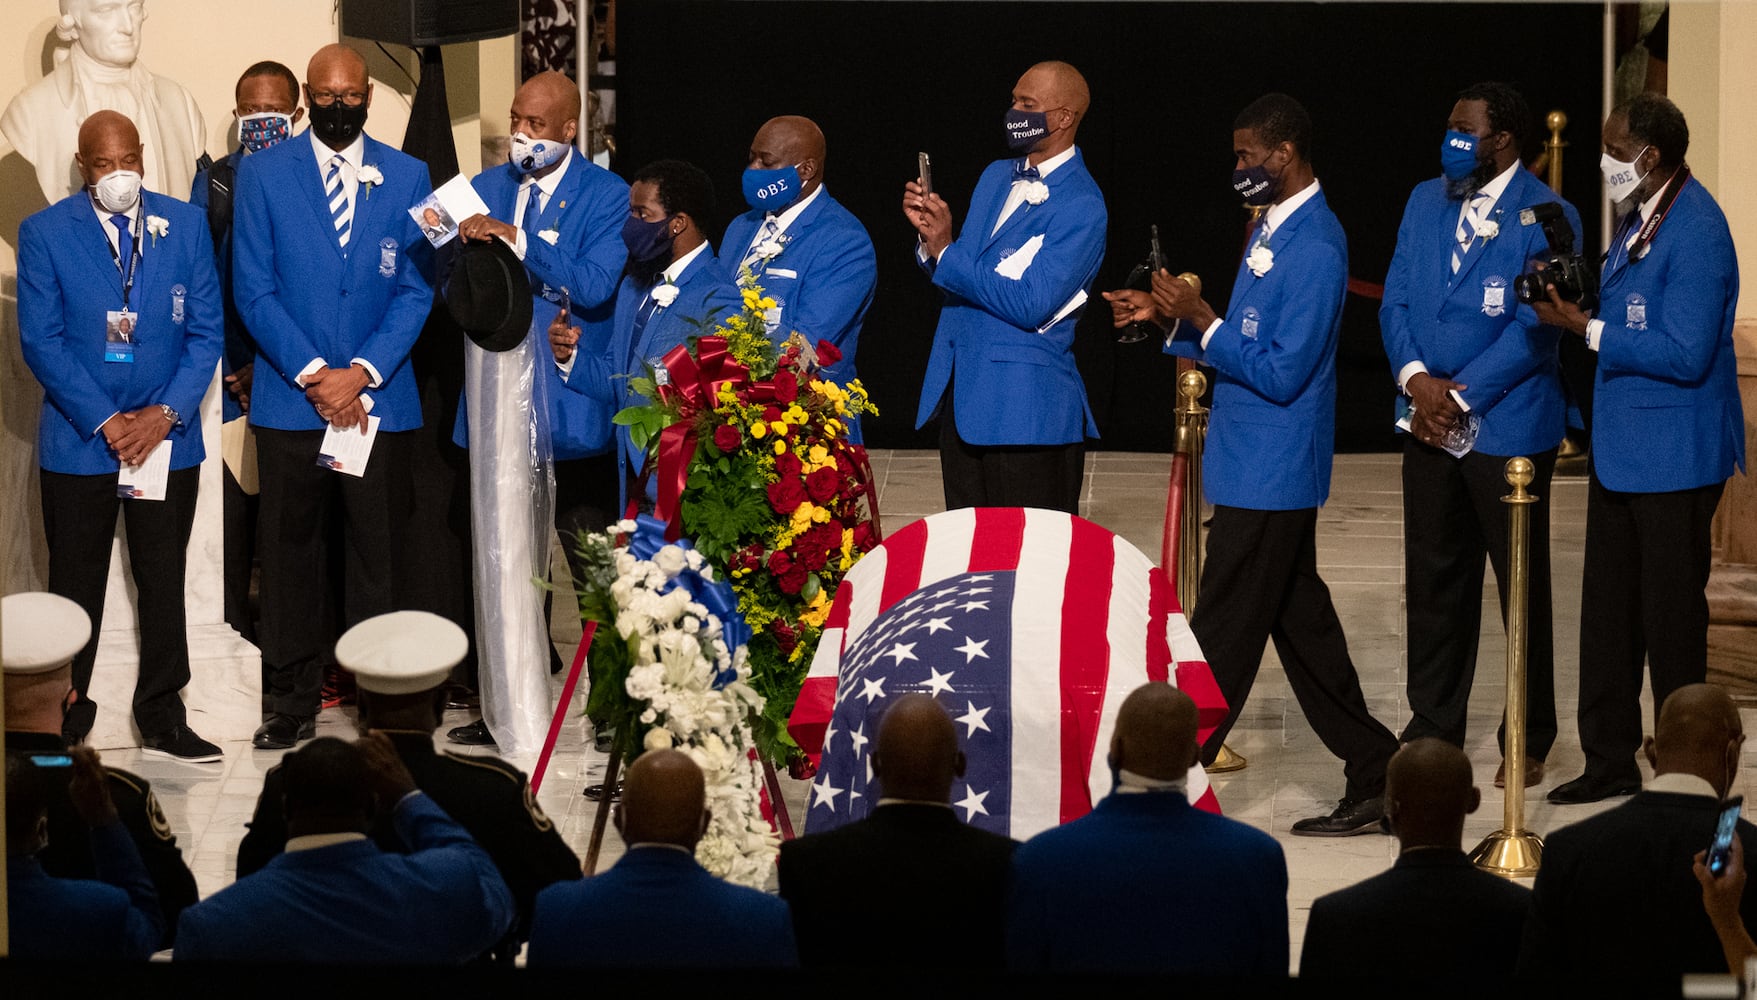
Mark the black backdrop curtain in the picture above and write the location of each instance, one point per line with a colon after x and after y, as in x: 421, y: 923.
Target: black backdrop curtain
x: 697, y: 77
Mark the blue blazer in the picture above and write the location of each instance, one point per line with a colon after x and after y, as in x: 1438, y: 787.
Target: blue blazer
x: 1014, y: 381
x: 240, y: 350
x: 303, y: 298
x: 354, y: 903
x: 1272, y: 436
x: 1665, y: 402
x: 67, y: 281
x: 115, y: 916
x: 706, y: 297
x: 1470, y: 327
x: 822, y: 280
x: 654, y: 909
x: 1146, y: 884
x: 586, y: 259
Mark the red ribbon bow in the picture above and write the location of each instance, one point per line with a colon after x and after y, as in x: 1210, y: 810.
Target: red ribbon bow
x: 694, y: 386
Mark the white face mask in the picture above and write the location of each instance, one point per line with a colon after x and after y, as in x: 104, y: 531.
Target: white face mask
x: 528, y: 154
x: 1619, y: 176
x: 118, y: 191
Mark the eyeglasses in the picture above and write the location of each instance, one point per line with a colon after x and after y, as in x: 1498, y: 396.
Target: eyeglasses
x: 324, y: 98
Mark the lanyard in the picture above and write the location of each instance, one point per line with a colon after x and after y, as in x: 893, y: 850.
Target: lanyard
x: 133, y: 262
x: 1638, y: 249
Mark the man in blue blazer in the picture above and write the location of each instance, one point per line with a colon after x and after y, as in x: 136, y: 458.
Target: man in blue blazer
x: 1267, y: 464
x: 798, y: 244
x: 1667, y: 432
x: 327, y: 276
x: 335, y: 896
x: 657, y: 908
x: 672, y: 289
x: 1473, y: 362
x: 1145, y: 883
x: 1001, y: 375
x: 120, y: 320
x: 267, y: 109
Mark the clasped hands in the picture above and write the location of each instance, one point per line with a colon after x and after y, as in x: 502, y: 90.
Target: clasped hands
x: 1171, y: 299
x: 335, y: 393
x: 132, y: 435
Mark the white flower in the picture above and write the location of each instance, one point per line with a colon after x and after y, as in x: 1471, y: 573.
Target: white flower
x: 369, y: 175
x: 157, y: 226
x: 1036, y: 192
x: 549, y: 236
x: 1260, y: 260
x: 769, y: 249
x: 670, y: 560
x: 1488, y: 229
x: 665, y: 294
x: 626, y: 526
x: 657, y: 738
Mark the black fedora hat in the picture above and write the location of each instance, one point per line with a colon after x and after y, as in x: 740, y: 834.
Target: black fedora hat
x: 489, y: 295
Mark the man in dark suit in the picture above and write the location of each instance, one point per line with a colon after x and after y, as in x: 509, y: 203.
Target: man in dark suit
x: 267, y: 109
x: 1433, y: 917
x: 1615, y: 896
x: 1479, y: 377
x: 657, y: 908
x: 114, y: 916
x: 42, y: 634
x: 800, y: 245
x: 1001, y: 376
x: 1668, y: 430
x: 328, y: 281
x: 864, y: 886
x: 1147, y: 883
x: 106, y: 256
x: 1270, y: 445
x: 401, y: 662
x: 672, y: 283
x: 334, y: 896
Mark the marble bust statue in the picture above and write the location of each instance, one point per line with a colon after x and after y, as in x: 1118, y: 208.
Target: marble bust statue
x: 101, y: 70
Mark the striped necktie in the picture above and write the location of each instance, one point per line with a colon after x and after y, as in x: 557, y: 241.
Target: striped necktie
x: 340, y: 210
x: 752, y: 256
x: 1466, y: 232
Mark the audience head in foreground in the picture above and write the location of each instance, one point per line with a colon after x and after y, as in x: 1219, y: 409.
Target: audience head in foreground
x: 1434, y: 917
x: 1216, y: 888
x: 615, y: 919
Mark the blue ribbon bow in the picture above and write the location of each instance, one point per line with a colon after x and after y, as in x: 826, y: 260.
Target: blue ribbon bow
x: 715, y: 595
x: 1021, y: 172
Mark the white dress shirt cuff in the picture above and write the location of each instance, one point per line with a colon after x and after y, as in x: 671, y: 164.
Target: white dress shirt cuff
x: 1462, y: 405
x: 374, y: 380
x: 921, y: 252
x: 299, y: 379
x: 1594, y: 330
x: 1409, y: 371
x: 1208, y: 334
x: 366, y: 403
x: 99, y: 429
x: 517, y: 244
x: 566, y: 367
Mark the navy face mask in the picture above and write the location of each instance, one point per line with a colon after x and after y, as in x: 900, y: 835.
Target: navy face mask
x: 1025, y: 128
x: 646, y: 241
x: 1256, y: 185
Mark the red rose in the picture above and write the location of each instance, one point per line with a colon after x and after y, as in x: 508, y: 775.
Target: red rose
x: 771, y: 414
x: 788, y: 466
x: 791, y: 581
x: 827, y: 353
x: 786, y: 387
x: 864, y: 537
x: 808, y: 554
x: 822, y: 484
x: 785, y: 636
x: 727, y: 438
x: 786, y: 495
x: 780, y: 562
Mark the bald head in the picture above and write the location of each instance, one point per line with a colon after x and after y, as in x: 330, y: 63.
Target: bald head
x: 1699, y: 732
x: 917, y: 755
x: 547, y: 106
x: 35, y: 702
x: 108, y: 141
x: 1155, y: 734
x: 1429, y: 790
x: 1062, y: 84
x: 791, y: 141
x: 336, y: 62
x: 1058, y: 92
x: 663, y: 800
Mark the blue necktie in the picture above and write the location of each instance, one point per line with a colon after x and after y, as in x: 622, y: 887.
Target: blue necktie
x: 124, y: 247
x: 533, y: 210
x: 340, y: 211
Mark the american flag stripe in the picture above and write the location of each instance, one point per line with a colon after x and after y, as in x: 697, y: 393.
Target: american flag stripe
x: 1038, y: 597
x: 996, y: 546
x: 1085, y: 659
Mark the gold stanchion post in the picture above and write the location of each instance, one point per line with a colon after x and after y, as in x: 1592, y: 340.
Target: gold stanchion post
x: 1513, y: 851
x: 1192, y: 430
x: 1553, y: 146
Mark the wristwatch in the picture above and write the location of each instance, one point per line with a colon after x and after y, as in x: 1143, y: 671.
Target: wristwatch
x: 170, y: 414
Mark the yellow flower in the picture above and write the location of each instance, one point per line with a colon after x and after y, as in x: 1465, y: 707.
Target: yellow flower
x: 778, y: 426
x: 818, y: 611
x: 819, y: 454
x: 794, y: 415
x: 820, y: 514
x: 758, y: 429
x: 780, y: 446
x: 805, y: 514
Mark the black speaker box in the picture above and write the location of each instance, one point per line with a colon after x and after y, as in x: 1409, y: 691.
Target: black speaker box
x: 429, y: 22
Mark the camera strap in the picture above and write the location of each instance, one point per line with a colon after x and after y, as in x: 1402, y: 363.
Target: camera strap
x: 1638, y: 249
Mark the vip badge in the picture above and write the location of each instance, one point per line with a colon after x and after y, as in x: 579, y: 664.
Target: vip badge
x: 1636, y: 317
x: 178, y: 294
x: 1494, y: 296
x: 387, y: 257
x: 1248, y: 325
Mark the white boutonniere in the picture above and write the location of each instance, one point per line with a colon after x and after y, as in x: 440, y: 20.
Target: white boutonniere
x: 549, y: 236
x: 1488, y: 229
x: 665, y: 294
x: 1036, y: 192
x: 369, y: 175
x: 157, y: 226
x: 769, y: 249
x: 1261, y: 259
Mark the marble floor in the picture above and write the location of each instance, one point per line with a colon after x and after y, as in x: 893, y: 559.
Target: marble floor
x: 1290, y: 776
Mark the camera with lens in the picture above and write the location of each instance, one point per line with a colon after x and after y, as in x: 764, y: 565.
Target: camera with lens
x: 1575, y: 276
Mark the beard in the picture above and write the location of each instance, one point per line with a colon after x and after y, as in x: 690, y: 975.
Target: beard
x: 1468, y: 185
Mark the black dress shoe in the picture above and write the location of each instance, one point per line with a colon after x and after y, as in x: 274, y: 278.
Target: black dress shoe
x: 181, y: 743
x: 280, y: 731
x: 1350, y: 818
x: 1590, y: 787
x: 76, y: 724
x: 473, y: 735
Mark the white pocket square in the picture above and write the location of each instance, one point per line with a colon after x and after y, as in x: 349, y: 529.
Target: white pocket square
x: 782, y: 272
x: 1016, y: 262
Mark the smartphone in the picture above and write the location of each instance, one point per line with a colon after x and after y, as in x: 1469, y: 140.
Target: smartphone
x: 924, y: 173
x: 51, y: 760
x: 1722, y: 848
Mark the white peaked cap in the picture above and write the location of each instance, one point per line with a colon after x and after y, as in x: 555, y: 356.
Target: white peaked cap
x: 43, y: 632
x: 404, y: 652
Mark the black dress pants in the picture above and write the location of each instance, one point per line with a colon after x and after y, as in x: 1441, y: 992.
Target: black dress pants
x: 79, y: 518
x: 1260, y: 582
x: 1452, y: 518
x: 1643, y: 598
x: 1047, y: 476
